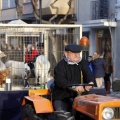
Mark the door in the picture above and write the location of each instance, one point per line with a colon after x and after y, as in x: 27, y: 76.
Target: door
x: 103, y: 38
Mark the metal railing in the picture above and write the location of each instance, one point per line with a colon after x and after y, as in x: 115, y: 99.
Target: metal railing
x: 16, y: 40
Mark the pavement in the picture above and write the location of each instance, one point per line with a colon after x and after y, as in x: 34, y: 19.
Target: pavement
x: 16, y: 87
x: 21, y: 87
x: 114, y: 94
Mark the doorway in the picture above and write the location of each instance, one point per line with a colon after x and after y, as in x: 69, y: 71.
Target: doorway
x: 103, y: 38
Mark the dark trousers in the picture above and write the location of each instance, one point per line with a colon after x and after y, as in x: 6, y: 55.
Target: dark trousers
x: 107, y: 83
x: 65, y: 105
x: 107, y: 77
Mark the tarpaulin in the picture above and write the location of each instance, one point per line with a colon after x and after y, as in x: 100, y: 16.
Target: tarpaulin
x: 11, y: 104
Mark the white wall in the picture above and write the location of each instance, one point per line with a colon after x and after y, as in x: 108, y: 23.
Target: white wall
x: 92, y: 42
x: 116, y: 51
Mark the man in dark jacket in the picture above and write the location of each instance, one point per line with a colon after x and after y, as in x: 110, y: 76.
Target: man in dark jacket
x: 67, y: 72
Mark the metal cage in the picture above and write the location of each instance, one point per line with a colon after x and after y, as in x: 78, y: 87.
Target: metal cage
x: 17, y: 39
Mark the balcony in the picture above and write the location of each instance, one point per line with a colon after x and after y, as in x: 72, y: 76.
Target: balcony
x: 10, y: 13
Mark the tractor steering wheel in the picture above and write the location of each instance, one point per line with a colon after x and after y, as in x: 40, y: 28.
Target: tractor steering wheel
x: 72, y: 86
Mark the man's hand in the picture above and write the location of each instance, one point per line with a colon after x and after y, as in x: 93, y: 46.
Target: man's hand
x: 87, y: 88
x: 79, y: 89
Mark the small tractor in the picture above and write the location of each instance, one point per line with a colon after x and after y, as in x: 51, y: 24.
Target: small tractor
x: 38, y: 106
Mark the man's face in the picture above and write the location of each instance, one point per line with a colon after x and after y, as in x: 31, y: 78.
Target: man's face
x: 74, y: 57
x: 40, y: 50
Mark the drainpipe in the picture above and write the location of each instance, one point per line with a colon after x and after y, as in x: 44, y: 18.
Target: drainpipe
x: 40, y: 10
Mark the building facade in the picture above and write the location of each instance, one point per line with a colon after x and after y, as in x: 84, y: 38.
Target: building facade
x: 101, y: 24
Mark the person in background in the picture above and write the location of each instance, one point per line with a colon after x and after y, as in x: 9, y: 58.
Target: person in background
x: 90, y: 64
x: 34, y: 53
x: 40, y: 51
x: 30, y: 55
x: 28, y: 51
x: 68, y: 72
x: 99, y: 66
x: 108, y: 68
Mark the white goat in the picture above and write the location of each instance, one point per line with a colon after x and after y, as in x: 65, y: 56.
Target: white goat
x: 2, y: 65
x: 42, y: 66
x: 18, y: 68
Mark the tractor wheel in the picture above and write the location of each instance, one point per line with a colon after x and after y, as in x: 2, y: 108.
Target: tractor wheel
x: 61, y: 115
x: 28, y: 113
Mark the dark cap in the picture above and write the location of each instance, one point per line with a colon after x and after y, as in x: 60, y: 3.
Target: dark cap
x: 73, y: 48
x: 40, y: 45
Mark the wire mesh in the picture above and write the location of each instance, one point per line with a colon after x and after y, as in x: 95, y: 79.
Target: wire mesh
x: 24, y: 43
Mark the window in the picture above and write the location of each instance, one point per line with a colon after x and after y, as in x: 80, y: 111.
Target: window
x: 99, y: 9
x: 103, y: 38
x: 9, y: 3
x: 94, y: 8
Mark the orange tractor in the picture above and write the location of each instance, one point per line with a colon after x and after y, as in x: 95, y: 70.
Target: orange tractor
x: 38, y: 106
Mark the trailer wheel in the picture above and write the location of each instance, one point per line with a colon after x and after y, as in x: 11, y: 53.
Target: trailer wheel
x: 28, y: 113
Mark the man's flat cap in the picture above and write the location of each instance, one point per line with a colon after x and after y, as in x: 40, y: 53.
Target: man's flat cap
x: 73, y: 48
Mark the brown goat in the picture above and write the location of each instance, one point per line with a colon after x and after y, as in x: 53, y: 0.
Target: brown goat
x: 4, y: 74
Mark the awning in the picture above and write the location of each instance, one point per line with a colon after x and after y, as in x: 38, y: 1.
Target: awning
x: 102, y: 23
x: 17, y: 22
